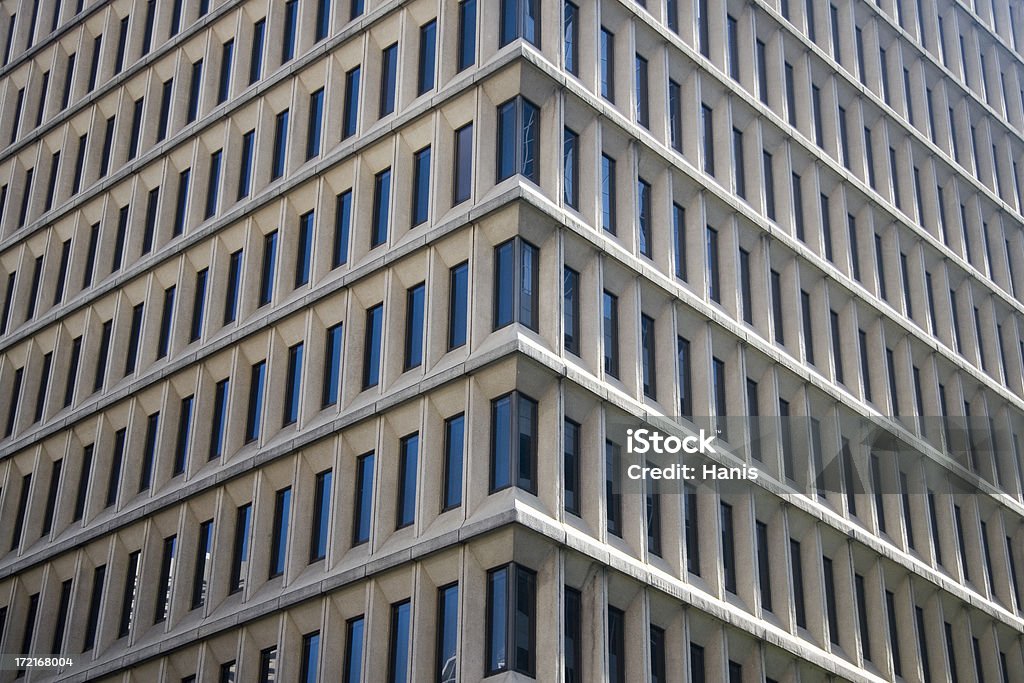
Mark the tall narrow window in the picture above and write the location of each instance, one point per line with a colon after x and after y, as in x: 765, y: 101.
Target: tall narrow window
x: 463, y: 183
x: 381, y: 207
x: 181, y: 206
x: 388, y: 79
x: 684, y: 372
x: 342, y: 228
x: 291, y: 20
x: 428, y: 57
x: 454, y: 444
x: 728, y: 549
x: 513, y: 442
x: 764, y: 566
x: 571, y: 311
x: 644, y: 219
x: 83, y: 484
x: 518, y: 139
x: 616, y: 645
x: 447, y: 632
x: 570, y: 168
x: 647, y: 356
x: 304, y: 251
x: 219, y: 419
x: 573, y: 635
x: 679, y: 240
x: 372, y: 346
x: 421, y: 186
x: 571, y: 466
x: 643, y: 110
x: 293, y: 385
x: 571, y: 37
x: 458, y: 306
x: 195, y: 88
x: 99, y: 575
x: 310, y: 669
x: 104, y: 355
x: 408, y: 454
x: 269, y: 266
x: 213, y: 185
x: 519, y: 19
x: 323, y: 20
x: 315, y: 128
x: 831, y: 611
x: 227, y: 53
x: 184, y: 434
x: 607, y: 64
x: 198, y: 305
x: 707, y: 127
x: 134, y: 339
x: 233, y: 285
x: 714, y: 281
x: 467, y: 34
x: 612, y: 492
x: 254, y: 414
x: 703, y: 28
x: 353, y: 668
x: 279, y: 532
x: 280, y: 144
x: 240, y: 548
x: 796, y: 567
x: 610, y: 327
x: 608, y: 193
x: 165, y: 109
x: 761, y: 55
x: 675, y: 115
x: 732, y: 39
x: 51, y: 496
x: 128, y: 598
x: 516, y: 277
x: 511, y: 602
x: 149, y: 232
x: 201, y: 575
x: 363, y: 499
x: 332, y: 366
x: 350, y: 113
x: 246, y: 165
x: 777, y: 321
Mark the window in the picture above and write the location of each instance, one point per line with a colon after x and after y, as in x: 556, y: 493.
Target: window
x: 658, y: 668
x: 240, y: 549
x: 570, y: 168
x: 653, y: 519
x: 99, y: 575
x: 608, y: 193
x: 607, y: 64
x: 458, y: 305
x: 233, y: 284
x: 714, y: 282
x: 684, y: 372
x: 363, y: 499
x: 447, y: 632
x: 679, y: 239
x: 19, y: 517
x: 76, y: 354
x: 610, y: 327
x: 763, y: 566
x: 103, y: 357
x: 467, y: 34
x: 220, y: 417
x: 571, y: 37
x: 353, y: 650
x: 83, y: 484
x: 184, y: 431
x: 571, y: 311
x: 518, y: 139
x: 381, y: 207
x: 255, y: 412
x: 516, y: 275
x: 573, y: 635
x: 280, y: 144
x: 256, y: 55
x: 134, y: 334
x: 224, y: 86
x: 398, y: 646
x: 513, y: 442
x: 732, y: 40
x: 388, y: 79
x: 350, y: 115
x: 268, y: 663
x: 245, y: 168
x: 372, y: 346
x: 323, y: 20
x: 851, y: 224
x: 462, y: 187
x: 291, y: 19
x: 739, y: 175
x: 310, y: 652
x: 769, y: 185
x: 647, y: 356
x: 304, y: 255
x: 862, y: 617
x: 201, y: 577
x: 728, y: 549
x: 316, y: 116
x: 428, y: 57
x: 805, y: 311
x: 612, y: 494
x: 865, y: 365
x: 643, y: 111
x: 519, y: 19
x: 293, y: 385
x: 675, y: 115
x: 703, y: 28
x: 819, y: 130
x: 26, y: 196
x: 894, y: 640
x: 762, y: 70
x: 332, y: 366
x: 213, y: 185
x: 829, y: 589
x: 181, y: 206
x: 94, y: 66
x: 407, y: 467
x: 798, y: 583
x: 746, y: 292
x: 454, y: 444
x: 269, y: 264
x: 421, y: 186
x: 128, y: 598
x: 777, y: 322
x: 616, y: 645
x: 643, y: 196
x: 279, y: 532
x: 707, y: 125
x: 198, y: 305
x: 63, y: 610
x: 108, y: 142
x: 195, y: 86
x: 511, y: 620
x: 571, y: 465
x: 51, y: 496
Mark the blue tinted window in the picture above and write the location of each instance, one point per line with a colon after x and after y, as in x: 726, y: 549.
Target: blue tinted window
x: 280, y: 145
x: 279, y: 537
x: 463, y: 164
x: 321, y: 517
x: 714, y: 285
x: 428, y: 54
x: 388, y: 79
x: 323, y: 19
x: 316, y: 115
x: 332, y: 365
x: 513, y: 442
x: 226, y: 56
x: 398, y: 664
x: 245, y: 168
x: 350, y: 117
x: 184, y: 431
x: 291, y: 16
x: 458, y: 313
x: 134, y: 333
x: 240, y: 551
x: 447, y: 631
x: 364, y: 499
x: 234, y: 281
x: 643, y: 198
x: 181, y: 208
x: 255, y: 413
x: 304, y: 256
x: 518, y: 139
x: 194, y: 91
x: 201, y: 577
x: 342, y: 225
x: 497, y: 626
x: 269, y: 264
x: 515, y: 283
x: 408, y: 454
x: 571, y: 310
x: 608, y: 193
x: 519, y: 19
x: 149, y: 232
x: 504, y: 283
x: 310, y: 658
x: 607, y: 64
x: 149, y: 451
x: 414, y: 320
x: 381, y: 207
x: 213, y: 185
x: 571, y: 35
x: 421, y: 186
x: 454, y: 440
x: 570, y: 168
x: 357, y: 8
x: 610, y: 326
x: 165, y: 109
x: 353, y: 651
x: 293, y: 388
x: 219, y: 422
x: 467, y: 33
x: 372, y: 350
x: 198, y: 305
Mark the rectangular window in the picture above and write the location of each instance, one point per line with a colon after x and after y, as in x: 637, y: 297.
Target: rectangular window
x: 291, y: 20
x: 516, y: 276
x: 304, y: 251
x: 696, y: 663
x: 408, y: 450
x: 201, y: 576
x: 76, y: 354
x: 762, y: 70
x: 658, y: 664
x: 224, y: 85
x: 644, y: 219
x: 103, y: 356
x: 181, y: 205
x: 136, y: 132
x: 315, y: 128
x: 269, y: 265
x: 707, y: 126
x: 255, y: 412
x: 819, y: 129
x: 608, y: 193
x: 268, y: 665
x: 131, y: 582
x: 653, y: 518
x: 714, y: 282
x: 381, y: 207
x: 388, y: 79
x: 647, y: 356
x: 732, y: 52
x: 796, y: 566
x: 353, y: 650
x: 240, y: 548
x: 790, y: 94
x: 363, y: 499
x: 679, y: 240
x: 571, y: 311
x: 739, y: 175
x: 372, y: 346
x: 573, y: 635
x: 108, y: 142
x: 865, y: 364
x: 134, y: 338
x: 746, y: 291
x: 777, y: 321
x: 518, y: 139
x: 323, y: 22
x: 195, y: 88
x: 511, y: 624
x: 219, y: 422
x: 685, y: 390
x: 198, y: 305
x: 829, y: 589
x: 350, y: 114
x: 728, y: 549
x: 607, y: 64
x: 421, y: 187
x: 769, y: 185
x: 83, y: 484
x: 51, y: 497
x: 571, y: 37
x: 643, y: 110
x: 763, y: 566
x: 94, y: 66
x: 570, y: 168
x: 463, y: 184
x: 458, y: 306
x: 63, y: 610
x: 246, y: 165
x: 293, y: 385
x: 280, y: 145
x: 851, y: 226
x: 310, y: 670
x: 454, y: 444
x: 610, y: 327
x: 213, y: 185
x: 519, y: 19
x: 513, y: 442
x: 279, y: 532
x: 233, y: 285
x: 184, y: 432
x: 428, y: 57
x: 332, y: 366
x: 703, y: 28
x: 616, y: 645
x: 447, y: 632
x: 467, y: 34
x: 99, y: 575
x: 612, y: 494
x: 342, y: 227
x: 571, y: 465
x: 675, y: 115
x: 256, y: 55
